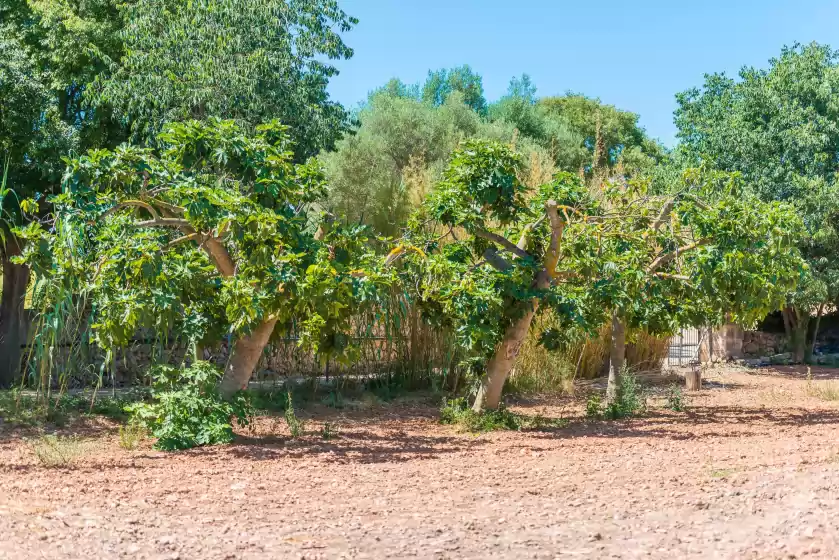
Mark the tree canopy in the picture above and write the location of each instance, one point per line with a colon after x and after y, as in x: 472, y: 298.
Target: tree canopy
x: 213, y: 232
x: 779, y: 127
x: 247, y: 60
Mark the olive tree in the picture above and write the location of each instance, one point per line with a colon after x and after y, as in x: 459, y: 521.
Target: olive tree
x: 212, y: 233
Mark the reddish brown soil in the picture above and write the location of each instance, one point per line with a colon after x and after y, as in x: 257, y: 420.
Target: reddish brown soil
x: 750, y: 470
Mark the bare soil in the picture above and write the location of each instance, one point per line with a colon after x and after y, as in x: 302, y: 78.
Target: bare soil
x: 749, y: 470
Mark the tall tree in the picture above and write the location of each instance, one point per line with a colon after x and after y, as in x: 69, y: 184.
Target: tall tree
x: 440, y: 84
x: 779, y: 127
x: 610, y: 136
x: 248, y: 60
x: 50, y: 52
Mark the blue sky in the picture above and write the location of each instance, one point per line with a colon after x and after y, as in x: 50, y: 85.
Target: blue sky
x: 635, y: 55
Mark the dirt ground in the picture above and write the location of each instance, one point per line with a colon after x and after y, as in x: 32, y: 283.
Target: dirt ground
x: 749, y: 470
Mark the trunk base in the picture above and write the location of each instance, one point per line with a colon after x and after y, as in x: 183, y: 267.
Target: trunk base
x: 693, y: 379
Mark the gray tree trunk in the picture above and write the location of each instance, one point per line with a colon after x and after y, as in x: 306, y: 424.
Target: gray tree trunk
x: 13, y: 318
x: 243, y: 358
x: 617, y: 355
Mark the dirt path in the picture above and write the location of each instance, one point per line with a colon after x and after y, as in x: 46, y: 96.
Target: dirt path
x: 751, y: 470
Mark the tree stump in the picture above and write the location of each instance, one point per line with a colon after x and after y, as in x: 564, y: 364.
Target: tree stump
x: 693, y: 379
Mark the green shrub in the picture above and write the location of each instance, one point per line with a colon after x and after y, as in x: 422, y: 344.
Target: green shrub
x: 328, y: 431
x: 675, y: 398
x: 629, y: 400
x: 187, y: 411
x: 594, y: 406
x: 295, y: 425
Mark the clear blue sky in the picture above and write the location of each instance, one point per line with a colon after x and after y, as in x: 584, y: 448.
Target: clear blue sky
x: 635, y: 55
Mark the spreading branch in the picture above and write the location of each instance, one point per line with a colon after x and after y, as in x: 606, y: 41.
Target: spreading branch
x: 495, y: 260
x: 557, y: 226
x: 504, y: 242
x: 526, y: 231
x: 131, y: 204
x: 164, y: 222
x: 190, y: 237
x: 664, y: 215
x: 680, y: 277
x: 668, y: 257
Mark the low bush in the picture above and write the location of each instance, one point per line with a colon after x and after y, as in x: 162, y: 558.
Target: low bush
x: 186, y: 409
x: 629, y: 400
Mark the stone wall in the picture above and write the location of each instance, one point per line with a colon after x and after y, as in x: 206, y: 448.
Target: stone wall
x: 722, y: 345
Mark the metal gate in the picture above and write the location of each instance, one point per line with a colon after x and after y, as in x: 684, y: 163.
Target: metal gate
x: 684, y: 348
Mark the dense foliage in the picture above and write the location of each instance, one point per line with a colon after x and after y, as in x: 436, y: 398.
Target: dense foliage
x: 187, y: 410
x: 211, y: 233
x: 779, y: 127
x: 691, y: 257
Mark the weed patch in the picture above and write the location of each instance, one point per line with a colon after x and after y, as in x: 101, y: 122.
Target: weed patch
x: 53, y: 451
x: 457, y: 412
x: 630, y: 400
x: 296, y: 426
x: 131, y: 435
x: 675, y: 398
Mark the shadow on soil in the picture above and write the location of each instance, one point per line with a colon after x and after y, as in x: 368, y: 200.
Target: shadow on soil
x: 699, y: 422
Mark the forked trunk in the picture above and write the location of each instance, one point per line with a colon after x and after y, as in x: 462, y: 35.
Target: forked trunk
x: 13, y: 320
x: 243, y: 358
x: 617, y: 356
x: 489, y: 393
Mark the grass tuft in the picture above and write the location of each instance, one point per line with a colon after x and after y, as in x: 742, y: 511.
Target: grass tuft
x: 53, y: 451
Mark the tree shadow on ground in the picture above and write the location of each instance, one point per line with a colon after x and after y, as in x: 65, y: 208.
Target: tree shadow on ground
x: 799, y: 372
x: 396, y: 446
x: 701, y: 422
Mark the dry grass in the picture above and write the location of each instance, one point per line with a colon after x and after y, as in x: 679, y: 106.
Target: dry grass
x: 827, y: 390
x: 541, y: 371
x: 131, y: 436
x: 53, y: 451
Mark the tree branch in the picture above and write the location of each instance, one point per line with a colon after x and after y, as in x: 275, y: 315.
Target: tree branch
x: 526, y: 231
x: 175, y: 210
x: 557, y: 226
x: 131, y: 204
x: 495, y: 260
x: 672, y: 276
x: 190, y: 237
x: 504, y: 242
x: 667, y: 257
x: 164, y: 222
x: 664, y: 215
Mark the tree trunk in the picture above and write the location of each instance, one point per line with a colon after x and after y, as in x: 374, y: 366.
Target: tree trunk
x: 13, y: 319
x: 243, y: 358
x: 816, y: 329
x: 693, y: 379
x: 799, y: 334
x: 489, y: 394
x: 617, y: 355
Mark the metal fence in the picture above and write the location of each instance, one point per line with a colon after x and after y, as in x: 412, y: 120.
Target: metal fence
x: 684, y: 348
